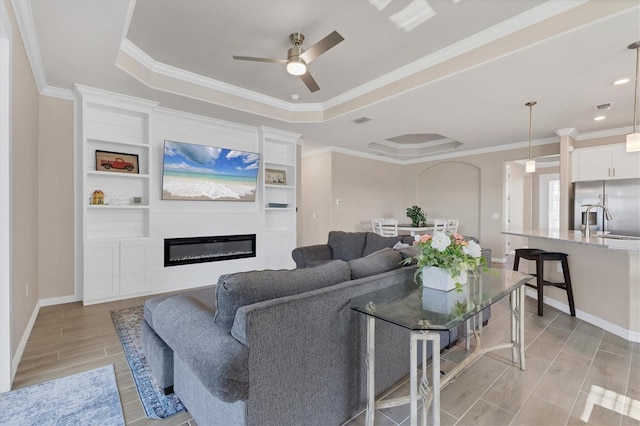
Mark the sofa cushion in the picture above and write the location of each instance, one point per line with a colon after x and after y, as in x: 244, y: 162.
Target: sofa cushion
x: 375, y: 242
x: 347, y: 245
x: 205, y: 295
x: 247, y: 288
x: 411, y: 251
x: 215, y: 357
x: 378, y: 262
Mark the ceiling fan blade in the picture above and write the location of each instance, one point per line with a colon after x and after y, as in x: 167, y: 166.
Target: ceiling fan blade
x: 322, y: 46
x: 310, y: 82
x: 250, y: 58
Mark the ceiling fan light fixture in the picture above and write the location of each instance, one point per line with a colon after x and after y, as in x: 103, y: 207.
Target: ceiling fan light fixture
x: 633, y: 139
x: 296, y: 67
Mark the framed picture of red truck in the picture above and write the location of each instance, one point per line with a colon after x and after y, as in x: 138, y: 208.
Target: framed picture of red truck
x: 119, y: 162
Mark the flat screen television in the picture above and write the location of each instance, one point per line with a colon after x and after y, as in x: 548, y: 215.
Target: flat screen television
x: 206, y: 173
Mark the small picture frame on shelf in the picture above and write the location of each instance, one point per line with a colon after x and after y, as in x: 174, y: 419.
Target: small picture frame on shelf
x: 118, y: 162
x: 275, y: 177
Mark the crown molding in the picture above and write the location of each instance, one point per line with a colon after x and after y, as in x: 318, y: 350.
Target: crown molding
x: 571, y: 131
x: 57, y: 92
x: 27, y: 27
x: 604, y: 133
x: 170, y: 71
x: 479, y: 151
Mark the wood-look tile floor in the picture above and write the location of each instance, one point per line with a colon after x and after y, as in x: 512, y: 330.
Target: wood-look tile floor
x: 71, y: 338
x: 564, y: 358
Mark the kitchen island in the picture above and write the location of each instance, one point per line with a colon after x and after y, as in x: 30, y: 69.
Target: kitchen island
x: 605, y: 275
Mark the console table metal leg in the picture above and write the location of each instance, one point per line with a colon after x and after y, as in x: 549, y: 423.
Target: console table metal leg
x: 371, y: 370
x: 517, y: 326
x: 423, y: 387
x: 520, y: 293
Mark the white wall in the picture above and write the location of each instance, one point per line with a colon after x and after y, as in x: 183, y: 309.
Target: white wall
x: 179, y: 218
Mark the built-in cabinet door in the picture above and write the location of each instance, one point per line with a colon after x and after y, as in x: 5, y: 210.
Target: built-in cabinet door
x: 278, y: 250
x: 101, y: 270
x: 626, y: 165
x: 605, y: 163
x: 134, y: 264
x: 593, y: 163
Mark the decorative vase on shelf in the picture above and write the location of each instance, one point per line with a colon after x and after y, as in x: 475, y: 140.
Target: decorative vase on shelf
x: 440, y: 279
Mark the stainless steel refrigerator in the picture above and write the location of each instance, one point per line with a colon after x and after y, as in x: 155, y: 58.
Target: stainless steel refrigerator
x: 622, y: 198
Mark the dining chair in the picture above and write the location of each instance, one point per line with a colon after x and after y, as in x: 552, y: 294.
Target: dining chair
x: 374, y: 224
x: 439, y: 225
x: 452, y: 226
x: 387, y: 227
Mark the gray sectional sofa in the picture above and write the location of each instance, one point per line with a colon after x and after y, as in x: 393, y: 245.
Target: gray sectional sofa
x: 347, y: 246
x: 280, y: 347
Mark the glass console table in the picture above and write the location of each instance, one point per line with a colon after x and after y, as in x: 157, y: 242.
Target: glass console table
x: 426, y: 311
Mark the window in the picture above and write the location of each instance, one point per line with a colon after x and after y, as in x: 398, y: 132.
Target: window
x: 554, y: 204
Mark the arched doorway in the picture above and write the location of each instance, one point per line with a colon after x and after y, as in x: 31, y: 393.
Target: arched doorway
x: 451, y: 190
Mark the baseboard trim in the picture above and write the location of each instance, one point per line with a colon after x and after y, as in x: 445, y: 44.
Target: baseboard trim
x: 498, y: 260
x: 17, y: 357
x: 632, y: 336
x: 59, y: 300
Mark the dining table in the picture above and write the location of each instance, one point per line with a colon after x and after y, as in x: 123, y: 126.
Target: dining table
x: 415, y: 230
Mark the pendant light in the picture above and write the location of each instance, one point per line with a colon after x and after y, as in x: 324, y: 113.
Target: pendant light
x: 633, y: 140
x: 530, y: 165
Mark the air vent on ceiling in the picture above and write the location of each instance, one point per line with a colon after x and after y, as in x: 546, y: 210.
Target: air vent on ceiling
x: 361, y: 120
x: 603, y: 106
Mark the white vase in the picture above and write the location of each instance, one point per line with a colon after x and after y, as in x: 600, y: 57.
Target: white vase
x: 439, y: 279
x: 444, y: 302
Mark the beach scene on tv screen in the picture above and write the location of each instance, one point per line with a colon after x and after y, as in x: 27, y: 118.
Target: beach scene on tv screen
x: 198, y: 172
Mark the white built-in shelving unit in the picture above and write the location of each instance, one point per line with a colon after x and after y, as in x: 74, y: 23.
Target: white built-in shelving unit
x: 115, y: 236
x: 279, y: 153
x: 119, y: 244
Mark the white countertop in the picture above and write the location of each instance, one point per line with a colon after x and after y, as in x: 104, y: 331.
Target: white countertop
x: 575, y: 237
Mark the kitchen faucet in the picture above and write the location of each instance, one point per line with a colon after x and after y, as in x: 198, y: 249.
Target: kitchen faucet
x: 607, y: 215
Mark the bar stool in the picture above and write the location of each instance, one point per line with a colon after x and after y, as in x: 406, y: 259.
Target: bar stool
x: 540, y: 256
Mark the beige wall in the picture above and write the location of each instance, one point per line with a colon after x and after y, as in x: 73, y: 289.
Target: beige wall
x: 367, y: 189
x: 451, y: 190
x: 55, y: 186
x: 371, y: 188
x: 314, y: 207
x: 24, y: 176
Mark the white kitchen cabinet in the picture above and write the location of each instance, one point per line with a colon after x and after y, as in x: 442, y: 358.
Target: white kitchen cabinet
x: 604, y: 163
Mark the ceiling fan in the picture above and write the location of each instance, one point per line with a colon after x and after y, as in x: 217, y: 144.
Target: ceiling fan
x: 298, y: 58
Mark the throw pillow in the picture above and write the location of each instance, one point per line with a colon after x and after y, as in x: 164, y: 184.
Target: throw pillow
x: 246, y: 288
x: 347, y: 245
x: 376, y: 242
x: 381, y: 261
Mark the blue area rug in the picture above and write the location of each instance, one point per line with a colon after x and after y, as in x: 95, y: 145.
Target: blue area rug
x: 156, y: 404
x: 88, y: 398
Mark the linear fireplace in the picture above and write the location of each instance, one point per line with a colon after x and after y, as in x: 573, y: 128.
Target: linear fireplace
x: 183, y: 251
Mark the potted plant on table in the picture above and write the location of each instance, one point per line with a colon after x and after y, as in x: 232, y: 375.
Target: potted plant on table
x: 443, y: 260
x: 417, y: 215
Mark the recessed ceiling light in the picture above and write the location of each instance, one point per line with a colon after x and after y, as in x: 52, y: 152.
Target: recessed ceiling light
x: 294, y: 97
x: 598, y: 118
x: 621, y: 81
